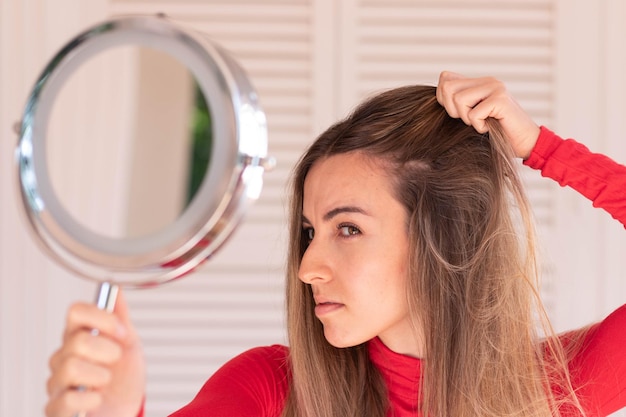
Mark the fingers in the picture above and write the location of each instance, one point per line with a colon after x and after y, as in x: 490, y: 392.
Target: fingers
x: 472, y: 100
x: 82, y: 316
x: 80, y: 373
x: 82, y: 368
x: 72, y: 403
x: 444, y: 90
x: 75, y: 374
x: 87, y: 346
x: 490, y: 104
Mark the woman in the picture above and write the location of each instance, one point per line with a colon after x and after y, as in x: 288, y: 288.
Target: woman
x: 410, y: 281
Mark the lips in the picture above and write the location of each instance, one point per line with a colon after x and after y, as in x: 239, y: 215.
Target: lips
x: 324, y: 306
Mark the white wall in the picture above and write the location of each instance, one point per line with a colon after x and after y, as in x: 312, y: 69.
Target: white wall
x: 310, y: 62
x: 589, y: 105
x: 30, y: 285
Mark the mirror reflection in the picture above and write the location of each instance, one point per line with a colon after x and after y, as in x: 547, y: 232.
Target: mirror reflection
x: 140, y: 151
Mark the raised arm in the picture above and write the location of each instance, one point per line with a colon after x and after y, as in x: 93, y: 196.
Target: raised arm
x: 597, y: 177
x: 568, y: 162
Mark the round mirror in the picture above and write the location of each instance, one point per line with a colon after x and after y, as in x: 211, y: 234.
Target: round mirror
x: 166, y: 143
x: 141, y: 148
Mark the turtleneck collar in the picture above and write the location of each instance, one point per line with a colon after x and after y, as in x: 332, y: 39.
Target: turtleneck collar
x: 401, y: 374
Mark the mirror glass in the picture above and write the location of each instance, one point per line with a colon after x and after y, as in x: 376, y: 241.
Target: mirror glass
x: 128, y: 142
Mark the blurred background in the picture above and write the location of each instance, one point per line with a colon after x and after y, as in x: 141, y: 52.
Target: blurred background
x: 311, y: 61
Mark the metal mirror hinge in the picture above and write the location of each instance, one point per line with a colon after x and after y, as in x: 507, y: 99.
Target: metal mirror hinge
x: 267, y: 162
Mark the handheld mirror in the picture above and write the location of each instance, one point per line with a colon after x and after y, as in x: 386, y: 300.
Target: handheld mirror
x: 111, y: 184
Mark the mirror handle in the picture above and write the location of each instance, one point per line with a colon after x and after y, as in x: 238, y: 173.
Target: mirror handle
x: 106, y: 296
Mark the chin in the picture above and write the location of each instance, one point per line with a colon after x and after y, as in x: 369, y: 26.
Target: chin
x: 344, y: 341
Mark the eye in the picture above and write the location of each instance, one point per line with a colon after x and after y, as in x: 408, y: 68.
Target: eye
x: 348, y: 230
x: 308, y: 233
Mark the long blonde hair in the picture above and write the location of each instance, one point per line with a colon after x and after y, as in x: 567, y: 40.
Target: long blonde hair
x: 472, y: 288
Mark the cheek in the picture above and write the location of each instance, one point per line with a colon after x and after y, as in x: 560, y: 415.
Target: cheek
x: 387, y: 279
x: 398, y: 268
x: 395, y: 261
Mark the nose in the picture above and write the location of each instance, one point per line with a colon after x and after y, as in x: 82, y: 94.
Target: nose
x: 315, y: 265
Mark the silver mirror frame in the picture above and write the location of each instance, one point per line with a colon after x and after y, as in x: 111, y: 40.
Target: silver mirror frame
x: 233, y: 180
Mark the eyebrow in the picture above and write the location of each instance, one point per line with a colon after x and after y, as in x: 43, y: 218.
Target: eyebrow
x: 336, y: 211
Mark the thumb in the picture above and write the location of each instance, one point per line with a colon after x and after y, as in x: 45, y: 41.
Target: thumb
x: 446, y: 90
x: 449, y: 75
x: 122, y: 312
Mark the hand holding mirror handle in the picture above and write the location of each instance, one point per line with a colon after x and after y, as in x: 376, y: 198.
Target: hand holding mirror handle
x: 233, y: 179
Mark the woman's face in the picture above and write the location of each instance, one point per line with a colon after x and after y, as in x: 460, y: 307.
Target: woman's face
x: 356, y: 261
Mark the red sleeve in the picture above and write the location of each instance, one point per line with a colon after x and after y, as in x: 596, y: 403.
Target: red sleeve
x: 598, y: 371
x: 597, y: 177
x: 253, y: 384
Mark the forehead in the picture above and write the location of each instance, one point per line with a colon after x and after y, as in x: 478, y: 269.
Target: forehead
x: 347, y: 178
